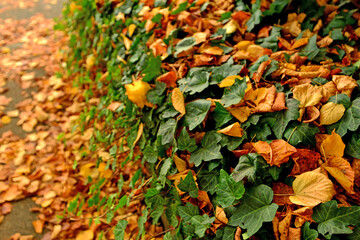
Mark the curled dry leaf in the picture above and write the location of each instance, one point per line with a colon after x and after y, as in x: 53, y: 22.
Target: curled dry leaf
x: 139, y: 133
x: 275, y: 153
x: 304, y: 160
x: 241, y: 113
x: 312, y: 113
x: 331, y: 113
x: 233, y: 130
x: 312, y: 188
x: 344, y: 83
x: 178, y: 101
x: 308, y: 95
x: 282, y: 192
x: 169, y: 78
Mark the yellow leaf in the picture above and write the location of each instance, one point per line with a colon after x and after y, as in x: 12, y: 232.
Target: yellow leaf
x: 332, y: 146
x: 139, y: 133
x: 221, y: 215
x: 200, y: 37
x: 106, y: 173
x: 89, y: 170
x: 180, y: 164
x: 312, y: 188
x: 233, y: 130
x: 341, y: 170
x: 5, y: 120
x: 137, y: 91
x: 90, y: 62
x: 85, y: 235
x: 308, y: 95
x: 331, y: 113
x: 231, y: 26
x: 243, y: 45
x: 131, y: 29
x: 229, y: 81
x: 127, y: 41
x: 214, y: 51
x: 178, y: 101
x: 240, y: 113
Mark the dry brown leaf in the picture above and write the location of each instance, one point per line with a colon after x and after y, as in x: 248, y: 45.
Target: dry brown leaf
x: 312, y: 188
x: 345, y: 84
x: 4, y: 100
x: 113, y: 106
x: 233, y: 130
x: 284, y: 226
x: 341, y: 170
x: 178, y: 101
x: 90, y: 62
x: 312, y: 113
x: 38, y: 226
x: 221, y: 215
x: 279, y: 103
x: 304, y: 160
x: 331, y: 113
x: 169, y: 78
x: 214, y: 51
x: 266, y: 104
x: 300, y: 42
x: 282, y: 192
x: 332, y: 146
x: 275, y: 153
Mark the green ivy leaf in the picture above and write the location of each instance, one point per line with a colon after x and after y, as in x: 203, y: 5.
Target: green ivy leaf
x: 228, y: 190
x: 271, y: 42
x: 311, y: 49
x: 351, y: 119
x: 188, y: 211
x: 152, y: 69
x: 355, y: 235
x: 353, y: 146
x: 141, y: 223
x: 341, y: 99
x: 119, y: 230
x: 196, y: 82
x: 335, y: 220
x: 227, y: 69
x: 201, y: 223
x: 184, y: 45
x: 308, y: 233
x: 196, y: 112
x: 247, y: 167
x: 210, y: 149
x: 167, y: 131
x: 221, y: 115
x: 185, y: 142
x: 276, y: 7
x: 301, y: 133
x: 189, y: 185
x: 255, y: 208
x: 254, y: 20
x: 150, y: 154
x: 235, y: 93
x: 285, y: 116
x: 207, y: 180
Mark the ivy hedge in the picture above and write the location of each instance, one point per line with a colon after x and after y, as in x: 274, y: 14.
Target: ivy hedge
x: 233, y: 105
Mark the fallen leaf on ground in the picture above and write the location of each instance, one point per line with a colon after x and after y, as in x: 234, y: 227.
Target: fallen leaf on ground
x: 178, y: 101
x: 233, y: 130
x: 331, y: 113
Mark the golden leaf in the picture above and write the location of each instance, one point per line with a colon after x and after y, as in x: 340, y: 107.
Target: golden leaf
x: 90, y: 62
x: 137, y: 91
x: 139, y: 133
x: 200, y: 37
x: 332, y: 146
x: 231, y: 26
x: 5, y: 120
x: 85, y: 235
x: 221, y: 215
x: 229, y: 81
x: 180, y: 164
x: 331, y: 113
x: 308, y: 95
x: 312, y: 188
x: 131, y: 29
x: 214, y: 51
x: 241, y: 113
x: 178, y: 101
x: 233, y: 130
x: 341, y: 170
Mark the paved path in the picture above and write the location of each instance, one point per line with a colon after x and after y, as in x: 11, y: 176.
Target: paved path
x: 20, y: 12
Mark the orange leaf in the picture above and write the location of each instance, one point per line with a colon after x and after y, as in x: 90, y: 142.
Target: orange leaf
x: 38, y: 226
x: 341, y: 170
x: 312, y: 188
x: 221, y: 215
x: 177, y: 99
x: 332, y: 146
x: 282, y: 192
x: 168, y: 78
x: 233, y: 130
x: 113, y: 106
x: 240, y: 113
x: 275, y: 153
